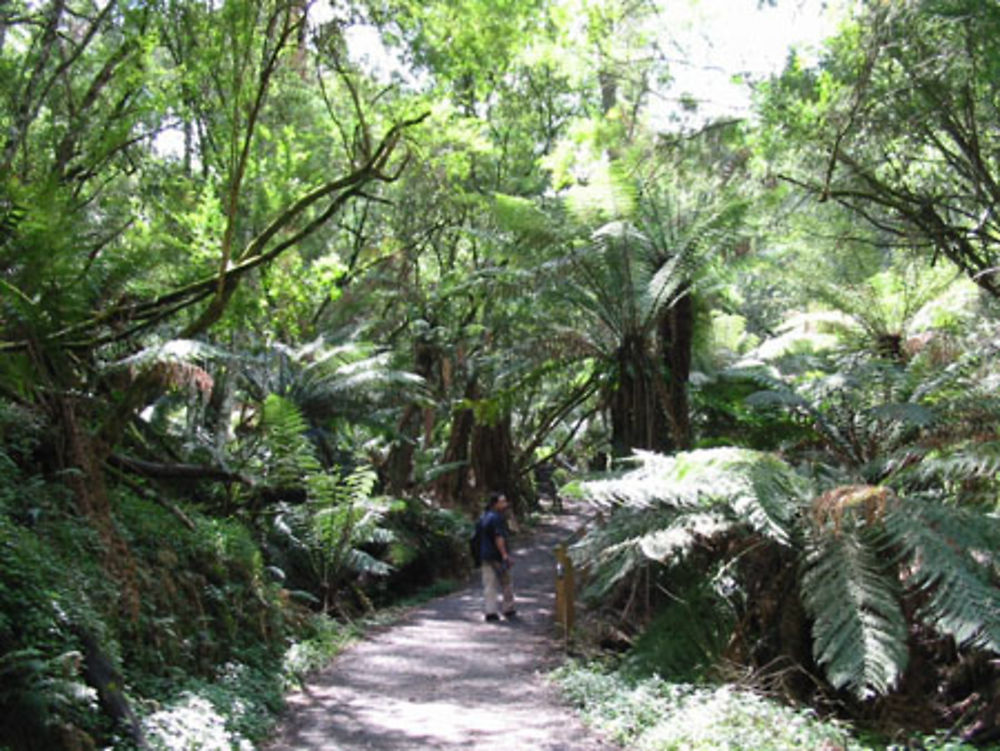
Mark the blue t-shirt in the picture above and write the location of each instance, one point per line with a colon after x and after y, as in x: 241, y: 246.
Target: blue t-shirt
x: 493, y: 525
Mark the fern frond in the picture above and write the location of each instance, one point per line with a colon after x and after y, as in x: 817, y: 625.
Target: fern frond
x: 758, y: 488
x: 361, y: 562
x: 175, y: 350
x: 670, y: 279
x: 524, y: 218
x: 672, y: 543
x: 953, y: 557
x: 859, y: 630
x: 665, y: 505
x: 906, y: 414
x: 612, y: 552
x: 960, y: 463
x: 290, y: 454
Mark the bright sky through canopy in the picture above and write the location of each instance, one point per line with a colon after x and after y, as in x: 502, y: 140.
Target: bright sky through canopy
x: 708, y: 43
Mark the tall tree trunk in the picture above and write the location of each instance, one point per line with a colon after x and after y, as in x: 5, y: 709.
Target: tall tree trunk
x: 493, y: 464
x: 676, y: 334
x: 398, y: 467
x: 453, y: 485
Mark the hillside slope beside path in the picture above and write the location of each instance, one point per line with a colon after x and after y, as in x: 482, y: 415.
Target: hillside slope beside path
x: 444, y: 679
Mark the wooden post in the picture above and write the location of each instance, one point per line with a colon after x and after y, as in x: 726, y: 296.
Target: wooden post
x: 564, y: 591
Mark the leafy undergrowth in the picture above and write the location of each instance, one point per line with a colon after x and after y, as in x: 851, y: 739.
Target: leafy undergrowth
x: 651, y: 714
x: 242, y: 705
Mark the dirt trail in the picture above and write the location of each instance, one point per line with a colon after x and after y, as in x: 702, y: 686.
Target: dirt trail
x: 444, y: 679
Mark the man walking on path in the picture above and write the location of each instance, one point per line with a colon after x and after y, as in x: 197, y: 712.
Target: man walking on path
x: 495, y: 555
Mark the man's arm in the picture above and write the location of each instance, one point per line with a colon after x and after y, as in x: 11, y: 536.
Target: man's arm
x: 501, y: 543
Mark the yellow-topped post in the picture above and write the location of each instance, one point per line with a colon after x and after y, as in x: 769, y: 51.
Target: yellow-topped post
x: 564, y: 591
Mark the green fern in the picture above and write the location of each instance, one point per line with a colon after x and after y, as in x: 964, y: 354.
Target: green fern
x: 344, y: 517
x: 856, y: 544
x: 289, y: 455
x: 958, y: 465
x: 859, y: 630
x: 664, y: 506
x: 953, y: 559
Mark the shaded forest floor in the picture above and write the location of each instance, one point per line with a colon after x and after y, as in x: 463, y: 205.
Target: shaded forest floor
x: 442, y: 678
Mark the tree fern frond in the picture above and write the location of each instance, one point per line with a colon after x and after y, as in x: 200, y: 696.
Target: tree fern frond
x: 774, y: 495
x: 524, y: 218
x: 963, y: 462
x: 619, y: 232
x: 671, y: 544
x: 953, y: 557
x: 859, y: 630
x: 907, y: 414
x: 361, y: 562
x: 663, y: 506
x: 175, y: 350
x: 758, y: 488
x: 291, y: 455
x: 670, y: 278
x: 638, y: 487
x: 783, y: 398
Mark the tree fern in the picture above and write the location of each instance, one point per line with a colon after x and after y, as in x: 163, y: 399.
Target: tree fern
x: 859, y: 630
x: 328, y: 380
x: 350, y: 381
x: 960, y: 463
x: 860, y: 414
x: 857, y: 545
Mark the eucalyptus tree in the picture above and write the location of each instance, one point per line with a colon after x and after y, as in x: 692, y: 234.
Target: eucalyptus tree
x: 897, y: 125
x: 106, y: 246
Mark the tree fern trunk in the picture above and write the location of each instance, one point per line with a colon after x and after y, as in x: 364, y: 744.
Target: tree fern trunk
x: 676, y: 339
x: 637, y: 417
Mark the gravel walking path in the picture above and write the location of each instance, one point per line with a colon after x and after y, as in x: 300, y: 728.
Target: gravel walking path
x: 444, y: 679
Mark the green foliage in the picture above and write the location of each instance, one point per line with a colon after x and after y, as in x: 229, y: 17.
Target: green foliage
x: 291, y: 456
x: 320, y: 640
x: 238, y: 704
x: 207, y: 599
x: 902, y: 80
x: 664, y: 507
x: 50, y: 579
x: 346, y: 517
x: 333, y: 388
x: 689, y: 633
x: 864, y: 552
x: 336, y: 536
x: 953, y: 554
x: 41, y: 693
x: 857, y: 411
x: 429, y: 545
x: 652, y: 714
x: 859, y: 628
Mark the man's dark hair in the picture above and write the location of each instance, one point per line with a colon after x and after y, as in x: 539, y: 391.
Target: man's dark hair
x: 492, y: 498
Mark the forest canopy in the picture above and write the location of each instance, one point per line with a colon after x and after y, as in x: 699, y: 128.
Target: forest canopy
x: 276, y: 316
